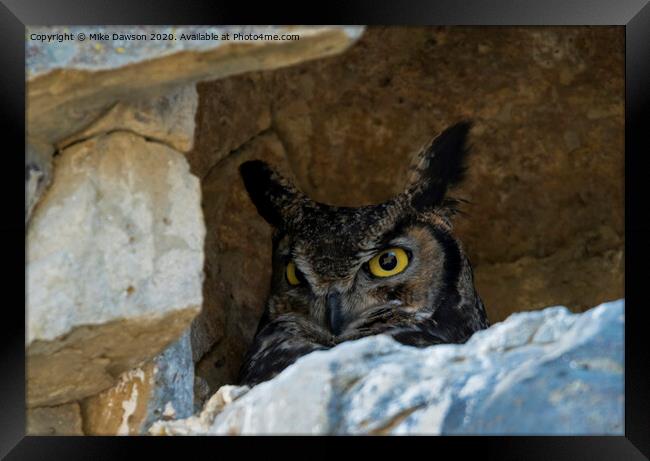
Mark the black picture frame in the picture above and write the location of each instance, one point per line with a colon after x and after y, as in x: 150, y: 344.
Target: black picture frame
x: 634, y: 15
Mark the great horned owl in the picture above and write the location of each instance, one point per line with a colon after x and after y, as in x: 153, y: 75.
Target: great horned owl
x: 341, y: 273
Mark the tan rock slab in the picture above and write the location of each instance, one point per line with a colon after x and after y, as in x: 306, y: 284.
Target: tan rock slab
x: 68, y: 93
x: 168, y: 118
x: 58, y: 420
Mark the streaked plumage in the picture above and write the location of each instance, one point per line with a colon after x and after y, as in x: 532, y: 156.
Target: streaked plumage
x: 337, y: 289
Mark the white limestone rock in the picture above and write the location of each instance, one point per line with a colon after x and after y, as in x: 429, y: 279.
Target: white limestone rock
x: 539, y: 372
x: 114, y: 264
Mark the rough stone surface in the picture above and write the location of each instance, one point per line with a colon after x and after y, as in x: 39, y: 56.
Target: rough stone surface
x: 221, y: 124
x: 71, y: 83
x: 540, y: 372
x: 546, y: 181
x: 115, y: 264
x: 168, y: 119
x: 38, y: 173
x: 160, y: 389
x: 58, y: 420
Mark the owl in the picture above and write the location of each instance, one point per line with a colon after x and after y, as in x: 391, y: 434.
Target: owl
x: 343, y: 273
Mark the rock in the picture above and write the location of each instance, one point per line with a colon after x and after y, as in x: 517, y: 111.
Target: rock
x: 540, y: 372
x: 168, y: 119
x: 121, y: 409
x: 72, y: 82
x: 115, y: 264
x: 38, y: 173
x: 201, y: 392
x: 197, y: 424
x: 162, y: 388
x: 221, y: 126
x: 539, y: 281
x: 59, y: 420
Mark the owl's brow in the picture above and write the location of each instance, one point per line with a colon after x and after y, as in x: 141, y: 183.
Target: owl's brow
x: 369, y: 250
x: 385, y: 239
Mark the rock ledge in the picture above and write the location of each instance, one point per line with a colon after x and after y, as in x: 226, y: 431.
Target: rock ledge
x: 540, y: 372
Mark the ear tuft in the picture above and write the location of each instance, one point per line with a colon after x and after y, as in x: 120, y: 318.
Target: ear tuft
x: 449, y: 151
x: 258, y: 180
x: 441, y: 165
x: 270, y: 193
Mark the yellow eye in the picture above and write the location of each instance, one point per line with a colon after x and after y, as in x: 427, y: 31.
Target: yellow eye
x: 292, y: 275
x: 389, y: 262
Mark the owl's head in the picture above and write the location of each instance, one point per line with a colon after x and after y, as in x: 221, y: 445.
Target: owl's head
x: 339, y: 266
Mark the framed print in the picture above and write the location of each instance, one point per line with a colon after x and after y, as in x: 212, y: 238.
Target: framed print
x: 407, y: 221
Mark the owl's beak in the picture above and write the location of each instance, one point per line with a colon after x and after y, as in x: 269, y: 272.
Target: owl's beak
x: 334, y: 312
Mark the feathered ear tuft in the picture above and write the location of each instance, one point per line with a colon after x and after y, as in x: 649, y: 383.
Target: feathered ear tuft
x: 439, y: 166
x: 274, y: 196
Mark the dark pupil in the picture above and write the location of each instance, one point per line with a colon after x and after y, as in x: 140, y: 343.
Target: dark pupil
x: 388, y: 261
